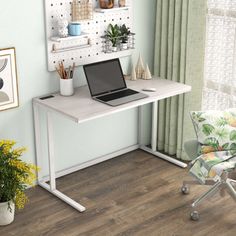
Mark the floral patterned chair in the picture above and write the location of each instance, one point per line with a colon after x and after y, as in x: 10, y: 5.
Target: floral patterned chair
x: 213, y: 154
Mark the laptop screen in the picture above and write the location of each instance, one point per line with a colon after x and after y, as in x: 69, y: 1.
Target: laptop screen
x: 103, y: 77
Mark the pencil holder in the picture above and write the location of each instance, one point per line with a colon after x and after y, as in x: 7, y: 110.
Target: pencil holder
x: 66, y: 87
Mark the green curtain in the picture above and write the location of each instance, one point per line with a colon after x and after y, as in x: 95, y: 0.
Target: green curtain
x: 179, y: 56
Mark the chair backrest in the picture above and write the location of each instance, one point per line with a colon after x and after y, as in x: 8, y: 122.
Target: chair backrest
x: 215, y: 130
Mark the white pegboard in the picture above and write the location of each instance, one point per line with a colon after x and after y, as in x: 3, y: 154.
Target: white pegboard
x: 56, y: 9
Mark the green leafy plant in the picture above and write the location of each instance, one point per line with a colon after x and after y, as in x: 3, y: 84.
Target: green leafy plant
x: 15, y: 174
x: 198, y: 116
x: 207, y: 129
x: 222, y: 121
x: 213, y: 142
x: 233, y: 148
x: 113, y: 34
x: 232, y: 135
x: 222, y: 133
x: 124, y: 33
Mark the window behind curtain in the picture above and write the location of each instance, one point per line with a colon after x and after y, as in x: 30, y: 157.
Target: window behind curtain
x: 220, y: 62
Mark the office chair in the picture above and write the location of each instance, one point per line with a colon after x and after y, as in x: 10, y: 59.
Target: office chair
x: 212, y: 162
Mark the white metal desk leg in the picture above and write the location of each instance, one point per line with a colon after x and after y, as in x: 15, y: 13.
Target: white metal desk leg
x: 153, y: 149
x: 140, y: 121
x: 154, y: 125
x: 38, y: 144
x: 52, y: 187
x: 51, y: 157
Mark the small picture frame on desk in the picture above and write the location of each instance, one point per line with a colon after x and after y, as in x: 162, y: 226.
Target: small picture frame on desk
x: 8, y: 79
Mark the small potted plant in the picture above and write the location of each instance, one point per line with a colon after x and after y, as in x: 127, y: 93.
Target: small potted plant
x: 15, y: 176
x: 124, y: 33
x: 113, y: 35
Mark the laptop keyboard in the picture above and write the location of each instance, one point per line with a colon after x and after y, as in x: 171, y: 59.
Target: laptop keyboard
x: 116, y: 95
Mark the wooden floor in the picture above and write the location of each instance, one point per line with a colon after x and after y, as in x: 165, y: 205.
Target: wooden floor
x: 134, y: 194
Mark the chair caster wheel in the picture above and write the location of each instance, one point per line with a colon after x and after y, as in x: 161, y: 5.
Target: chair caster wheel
x: 185, y: 189
x: 194, y: 216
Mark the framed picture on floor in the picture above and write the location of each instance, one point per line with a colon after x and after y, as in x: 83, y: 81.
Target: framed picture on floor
x: 8, y: 79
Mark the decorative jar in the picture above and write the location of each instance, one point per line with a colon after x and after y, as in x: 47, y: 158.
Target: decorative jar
x: 66, y: 87
x: 121, y: 3
x: 106, y: 4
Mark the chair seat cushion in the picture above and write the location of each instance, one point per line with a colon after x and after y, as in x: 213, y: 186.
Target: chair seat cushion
x: 212, y: 164
x: 215, y: 130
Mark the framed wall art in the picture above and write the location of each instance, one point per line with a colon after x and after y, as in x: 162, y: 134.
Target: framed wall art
x: 8, y: 79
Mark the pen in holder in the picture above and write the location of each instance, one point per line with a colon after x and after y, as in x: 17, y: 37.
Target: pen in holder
x: 66, y: 79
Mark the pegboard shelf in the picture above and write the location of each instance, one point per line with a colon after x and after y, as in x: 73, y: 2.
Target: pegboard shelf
x: 123, y: 43
x: 114, y: 9
x: 71, y: 48
x: 118, y: 54
x: 129, y: 50
x: 59, y: 39
x: 88, y: 47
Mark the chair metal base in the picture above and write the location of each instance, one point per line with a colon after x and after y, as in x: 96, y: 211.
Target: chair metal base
x: 222, y: 184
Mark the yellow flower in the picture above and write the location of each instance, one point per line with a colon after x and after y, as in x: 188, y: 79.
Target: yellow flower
x: 21, y: 199
x: 18, y: 151
x: 23, y: 173
x: 7, y: 145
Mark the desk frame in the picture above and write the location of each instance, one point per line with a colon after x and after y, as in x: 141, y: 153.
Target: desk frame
x: 42, y: 181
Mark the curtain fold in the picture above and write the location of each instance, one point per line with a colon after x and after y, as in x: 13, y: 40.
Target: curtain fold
x: 179, y: 56
x: 220, y: 72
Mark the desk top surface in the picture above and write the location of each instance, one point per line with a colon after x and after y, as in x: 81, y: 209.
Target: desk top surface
x: 81, y: 107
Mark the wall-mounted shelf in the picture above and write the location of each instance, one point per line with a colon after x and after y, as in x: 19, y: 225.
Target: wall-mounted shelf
x: 71, y: 48
x: 114, y: 9
x: 75, y: 47
x: 88, y: 47
x: 59, y: 39
x: 127, y: 45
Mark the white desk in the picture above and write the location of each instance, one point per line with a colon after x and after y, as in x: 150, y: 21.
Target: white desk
x: 80, y: 108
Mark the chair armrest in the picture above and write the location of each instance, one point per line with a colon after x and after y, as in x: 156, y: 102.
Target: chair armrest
x: 191, y: 148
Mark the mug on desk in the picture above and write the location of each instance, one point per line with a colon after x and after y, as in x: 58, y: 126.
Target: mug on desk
x: 74, y: 29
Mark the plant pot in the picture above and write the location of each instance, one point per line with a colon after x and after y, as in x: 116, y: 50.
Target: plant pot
x: 124, y: 46
x: 114, y: 49
x: 106, y: 4
x: 121, y: 3
x: 131, y: 42
x: 7, y: 215
x: 66, y: 87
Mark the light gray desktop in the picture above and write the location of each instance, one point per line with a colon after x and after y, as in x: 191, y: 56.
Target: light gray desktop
x: 81, y: 108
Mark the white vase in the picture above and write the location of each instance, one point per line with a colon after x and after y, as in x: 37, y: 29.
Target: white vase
x: 7, y: 215
x: 63, y: 28
x: 124, y: 46
x: 114, y: 49
x: 66, y: 87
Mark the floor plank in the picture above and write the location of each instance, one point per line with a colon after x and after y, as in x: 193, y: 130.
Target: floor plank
x: 134, y: 194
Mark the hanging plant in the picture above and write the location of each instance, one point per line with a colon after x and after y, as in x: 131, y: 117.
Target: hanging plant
x: 113, y: 34
x: 124, y: 33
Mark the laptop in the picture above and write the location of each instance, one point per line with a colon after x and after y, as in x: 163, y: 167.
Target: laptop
x: 107, y: 84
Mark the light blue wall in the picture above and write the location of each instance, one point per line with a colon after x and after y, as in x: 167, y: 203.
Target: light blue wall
x: 22, y: 26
